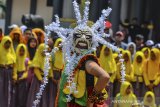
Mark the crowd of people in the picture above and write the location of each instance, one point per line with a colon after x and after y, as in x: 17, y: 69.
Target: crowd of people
x: 22, y: 63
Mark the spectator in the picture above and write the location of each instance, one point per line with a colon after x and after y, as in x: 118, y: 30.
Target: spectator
x: 151, y: 70
x: 139, y: 42
x: 27, y: 34
x: 149, y: 44
x: 132, y: 48
x: 157, y: 46
x: 38, y: 65
x: 124, y: 26
x: 138, y: 83
x: 20, y: 74
x: 16, y: 36
x: 13, y: 26
x: 7, y: 62
x: 118, y: 40
x: 149, y: 99
x: 125, y: 98
x: 58, y: 64
x: 108, y: 63
x: 146, y: 51
x: 144, y: 30
x: 134, y: 29
x: 32, y: 46
x: 40, y: 35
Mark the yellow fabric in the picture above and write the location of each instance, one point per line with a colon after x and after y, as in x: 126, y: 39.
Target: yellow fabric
x: 144, y: 49
x: 38, y: 74
x: 108, y: 63
x: 151, y: 69
x: 38, y: 30
x: 7, y: 56
x: 151, y: 104
x: 20, y: 63
x: 124, y: 100
x: 38, y: 62
x: 138, y: 67
x: 58, y: 61
x: 129, y: 67
x: 80, y: 80
x: 81, y: 84
x: 17, y: 30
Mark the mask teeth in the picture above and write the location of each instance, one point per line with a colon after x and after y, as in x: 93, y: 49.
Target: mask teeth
x: 86, y: 13
x: 77, y: 12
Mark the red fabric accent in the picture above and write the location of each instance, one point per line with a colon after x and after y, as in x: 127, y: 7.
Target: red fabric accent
x: 108, y: 24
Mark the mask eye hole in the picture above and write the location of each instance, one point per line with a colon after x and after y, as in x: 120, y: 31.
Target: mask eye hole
x: 88, y: 36
x: 77, y: 35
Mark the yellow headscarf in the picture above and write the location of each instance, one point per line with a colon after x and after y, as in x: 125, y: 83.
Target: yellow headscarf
x: 20, y: 61
x: 138, y: 67
x: 152, y: 104
x: 38, y: 30
x: 7, y: 56
x: 38, y: 60
x: 124, y: 87
x: 58, y: 60
x: 129, y: 62
x: 17, y: 30
x: 146, y: 49
x: 107, y: 62
x: 157, y: 53
x: 124, y: 100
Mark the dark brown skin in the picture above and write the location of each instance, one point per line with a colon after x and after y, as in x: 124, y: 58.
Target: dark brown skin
x: 94, y: 69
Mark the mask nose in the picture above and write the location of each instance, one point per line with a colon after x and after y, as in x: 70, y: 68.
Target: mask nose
x: 83, y: 36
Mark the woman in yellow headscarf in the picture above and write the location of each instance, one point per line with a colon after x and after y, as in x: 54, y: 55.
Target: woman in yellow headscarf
x: 151, y: 69
x: 108, y: 63
x: 20, y: 75
x: 151, y: 72
x: 138, y: 84
x: 40, y: 34
x: 128, y: 65
x: 149, y: 99
x: 57, y: 64
x: 38, y: 65
x: 146, y: 51
x: 16, y: 36
x: 117, y: 81
x: 7, y: 63
x: 125, y: 98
